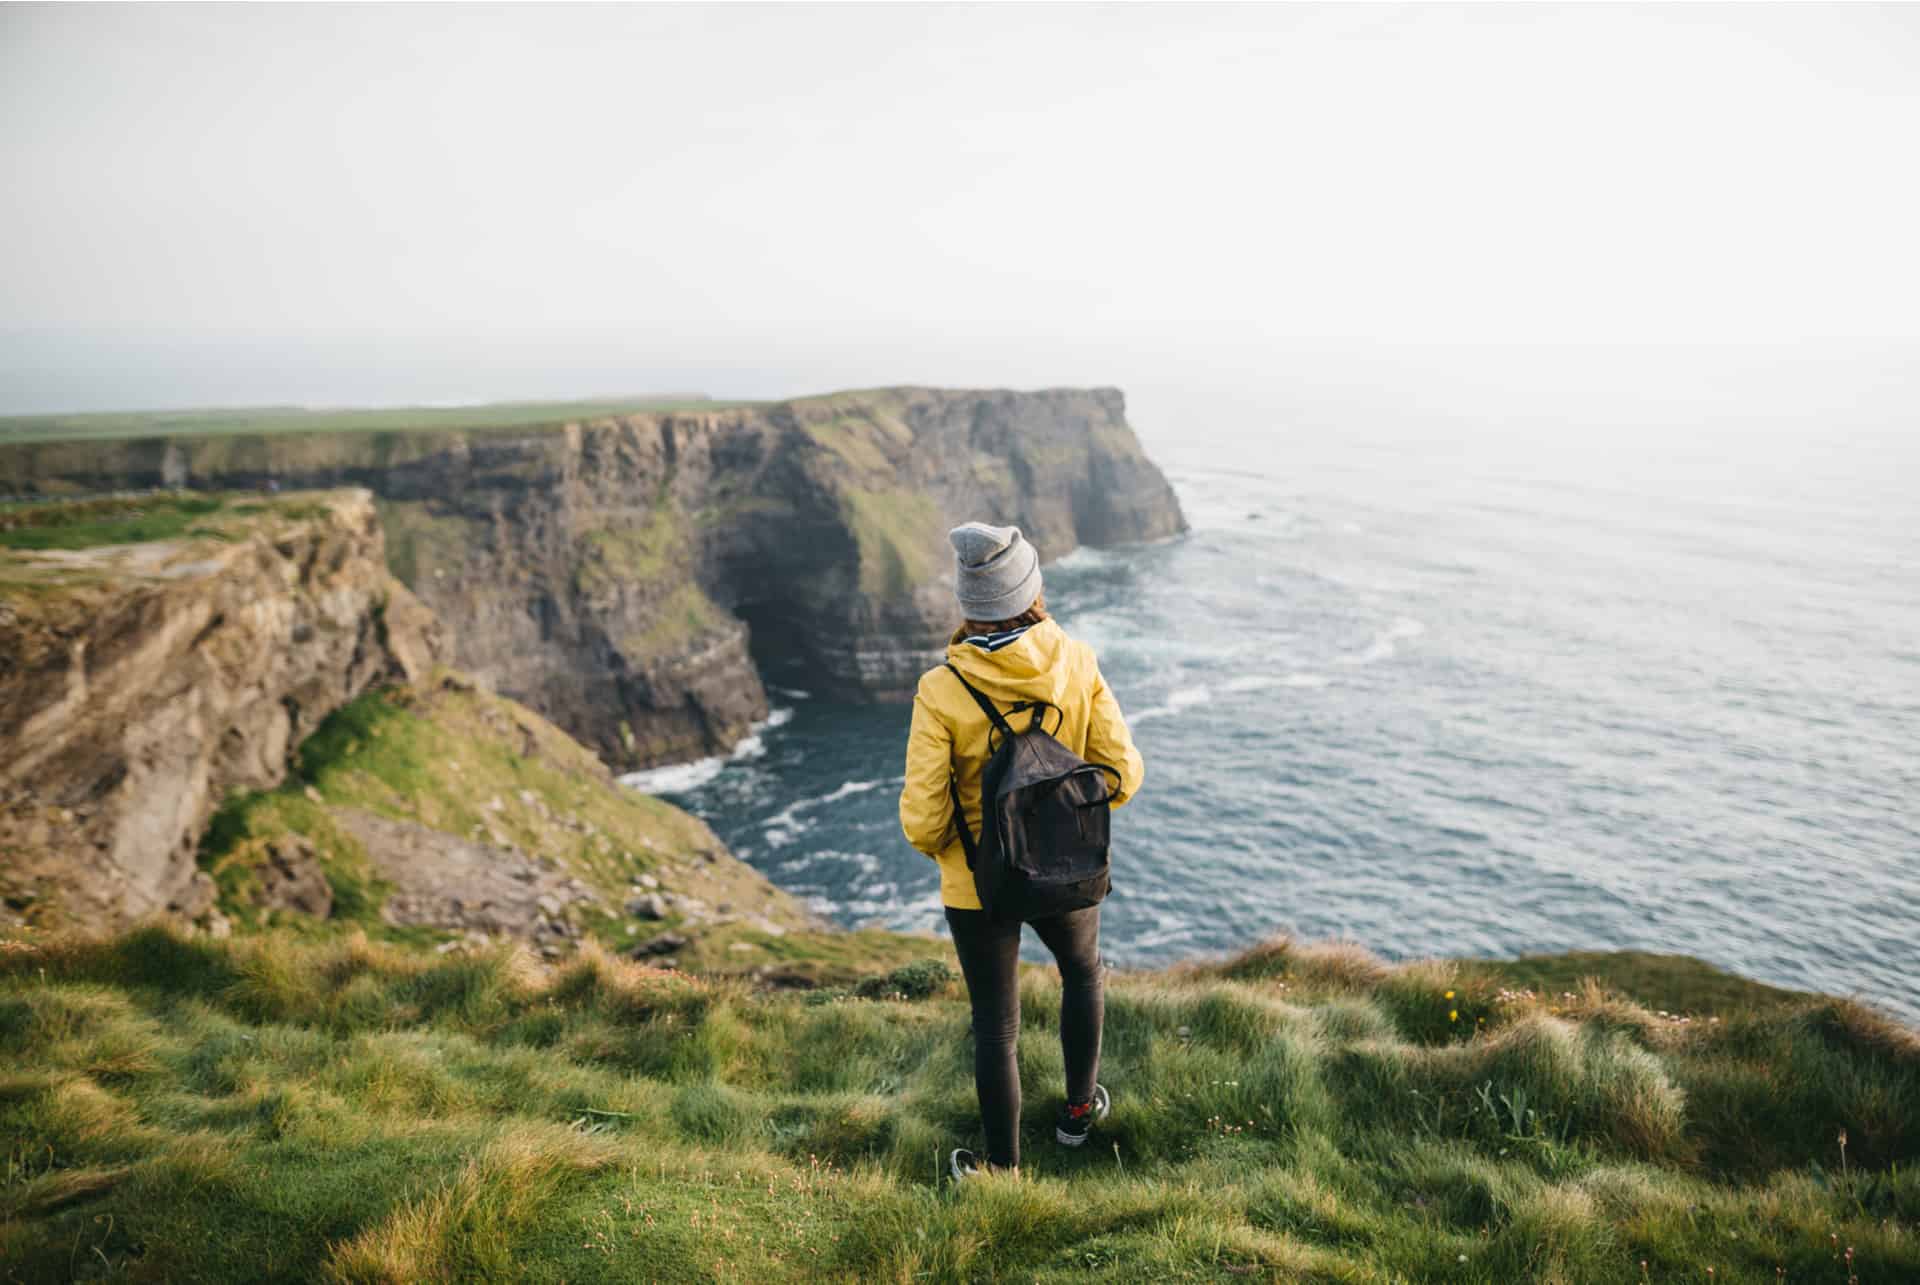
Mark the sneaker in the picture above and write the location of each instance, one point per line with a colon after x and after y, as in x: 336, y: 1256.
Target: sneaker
x: 964, y: 1164
x: 1077, y: 1121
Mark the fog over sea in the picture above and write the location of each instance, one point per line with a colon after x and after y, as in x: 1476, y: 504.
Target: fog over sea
x: 1489, y: 698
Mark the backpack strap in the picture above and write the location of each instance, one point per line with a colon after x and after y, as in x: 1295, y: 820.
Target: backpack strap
x: 967, y: 844
x: 979, y: 698
x: 1039, y: 709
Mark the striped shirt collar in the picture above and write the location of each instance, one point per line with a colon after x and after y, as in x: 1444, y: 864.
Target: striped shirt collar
x: 994, y: 642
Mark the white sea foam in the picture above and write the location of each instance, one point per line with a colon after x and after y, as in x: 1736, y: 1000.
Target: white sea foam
x: 1383, y: 645
x: 883, y: 902
x: 1087, y: 556
x: 792, y: 693
x: 864, y: 865
x: 1160, y: 939
x: 847, y: 788
x: 1184, y: 699
x: 675, y: 778
x: 683, y: 778
x: 784, y: 826
x: 1261, y: 682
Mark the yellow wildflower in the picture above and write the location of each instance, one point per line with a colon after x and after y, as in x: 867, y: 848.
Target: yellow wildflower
x: 1453, y: 1015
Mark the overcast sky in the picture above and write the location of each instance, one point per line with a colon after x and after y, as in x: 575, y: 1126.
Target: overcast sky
x: 1274, y: 207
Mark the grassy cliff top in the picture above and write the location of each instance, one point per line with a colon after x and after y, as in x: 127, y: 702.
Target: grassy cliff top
x: 105, y: 426
x: 73, y: 525
x: 270, y: 1109
x: 61, y: 562
x: 267, y: 420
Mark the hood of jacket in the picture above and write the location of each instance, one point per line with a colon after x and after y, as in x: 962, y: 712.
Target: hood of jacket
x: 1034, y: 666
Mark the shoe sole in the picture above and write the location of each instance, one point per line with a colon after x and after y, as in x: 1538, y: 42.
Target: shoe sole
x: 1066, y: 1139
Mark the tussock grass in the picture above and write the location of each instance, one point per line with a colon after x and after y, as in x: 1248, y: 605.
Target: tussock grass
x: 284, y: 1108
x: 469, y: 1226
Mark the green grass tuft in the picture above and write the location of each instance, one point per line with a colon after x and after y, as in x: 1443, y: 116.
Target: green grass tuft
x: 93, y: 523
x: 917, y: 980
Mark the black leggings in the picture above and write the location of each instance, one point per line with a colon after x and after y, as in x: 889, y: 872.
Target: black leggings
x: 989, y: 952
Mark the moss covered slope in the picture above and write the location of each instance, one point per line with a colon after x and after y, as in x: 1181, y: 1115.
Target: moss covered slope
x: 459, y: 780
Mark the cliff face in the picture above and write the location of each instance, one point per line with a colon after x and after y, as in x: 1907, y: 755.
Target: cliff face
x: 881, y: 476
x: 140, y: 682
x: 624, y: 575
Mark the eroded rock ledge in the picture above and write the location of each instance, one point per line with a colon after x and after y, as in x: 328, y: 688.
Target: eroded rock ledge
x: 139, y: 683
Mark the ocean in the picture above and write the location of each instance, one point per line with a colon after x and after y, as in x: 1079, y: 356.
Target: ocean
x: 1466, y: 698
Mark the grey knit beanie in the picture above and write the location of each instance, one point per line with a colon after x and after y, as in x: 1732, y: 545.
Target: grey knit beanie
x: 998, y: 571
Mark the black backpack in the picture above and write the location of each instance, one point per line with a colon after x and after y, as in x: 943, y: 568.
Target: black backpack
x: 1044, y: 819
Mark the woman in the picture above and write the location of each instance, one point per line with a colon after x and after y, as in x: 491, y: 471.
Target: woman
x: 1010, y: 649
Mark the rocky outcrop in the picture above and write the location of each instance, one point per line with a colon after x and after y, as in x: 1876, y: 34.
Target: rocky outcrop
x: 442, y: 881
x: 140, y: 683
x: 293, y: 878
x: 629, y: 577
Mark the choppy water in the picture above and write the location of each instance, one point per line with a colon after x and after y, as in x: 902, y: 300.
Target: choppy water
x: 1466, y: 701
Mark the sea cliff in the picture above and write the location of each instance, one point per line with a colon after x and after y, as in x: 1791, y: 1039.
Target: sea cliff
x: 631, y: 576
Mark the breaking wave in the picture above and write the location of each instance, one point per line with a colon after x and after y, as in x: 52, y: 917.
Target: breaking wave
x: 684, y: 778
x: 1185, y: 698
x: 1384, y: 643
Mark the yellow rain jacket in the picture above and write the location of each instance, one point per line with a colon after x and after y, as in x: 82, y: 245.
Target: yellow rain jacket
x: 949, y: 736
